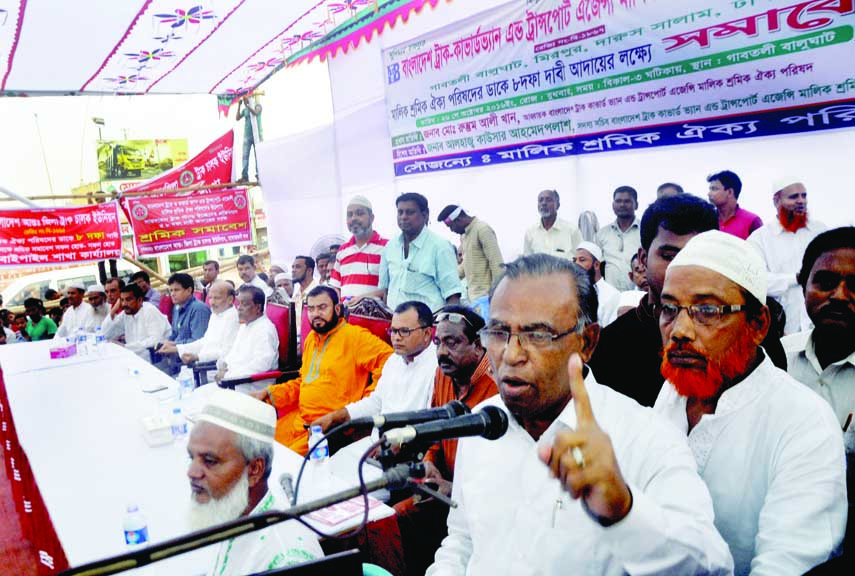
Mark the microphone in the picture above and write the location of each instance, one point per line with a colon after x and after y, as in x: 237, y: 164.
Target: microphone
x: 287, y: 483
x: 397, y: 419
x: 490, y: 423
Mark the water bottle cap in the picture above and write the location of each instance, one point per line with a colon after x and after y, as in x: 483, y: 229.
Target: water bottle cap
x: 316, y: 429
x: 133, y: 508
x: 176, y: 410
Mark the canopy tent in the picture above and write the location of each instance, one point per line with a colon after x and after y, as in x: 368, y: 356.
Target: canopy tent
x: 225, y: 47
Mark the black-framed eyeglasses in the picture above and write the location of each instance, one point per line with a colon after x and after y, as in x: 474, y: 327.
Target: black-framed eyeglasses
x: 703, y: 314
x: 493, y: 338
x: 404, y: 332
x: 455, y: 317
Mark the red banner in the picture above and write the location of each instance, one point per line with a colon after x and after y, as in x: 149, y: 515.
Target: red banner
x: 40, y: 236
x: 211, y: 166
x: 182, y: 222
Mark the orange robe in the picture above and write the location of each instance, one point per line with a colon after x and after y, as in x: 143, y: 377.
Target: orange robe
x: 335, y: 372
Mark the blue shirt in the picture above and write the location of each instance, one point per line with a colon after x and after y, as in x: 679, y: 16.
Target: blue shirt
x: 190, y: 321
x: 428, y: 274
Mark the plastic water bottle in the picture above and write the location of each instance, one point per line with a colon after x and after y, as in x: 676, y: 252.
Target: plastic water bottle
x: 178, y: 423
x: 322, y: 453
x: 185, y: 383
x: 136, y: 528
x: 82, y: 349
x: 99, y: 342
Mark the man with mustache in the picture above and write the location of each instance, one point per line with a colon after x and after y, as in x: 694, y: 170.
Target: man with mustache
x: 342, y: 363
x: 357, y: 262
x: 584, y: 481
x: 769, y: 449
x: 551, y: 235
x: 464, y: 374
x: 231, y: 457
x: 77, y: 313
x: 141, y: 323
x: 590, y: 257
x: 97, y: 296
x: 255, y: 347
x: 782, y: 244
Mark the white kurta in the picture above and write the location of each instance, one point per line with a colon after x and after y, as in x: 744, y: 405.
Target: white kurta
x: 255, y: 349
x: 281, y: 545
x: 259, y: 283
x: 560, y: 240
x: 608, y: 298
x: 514, y: 518
x: 147, y: 328
x: 218, y: 338
x: 96, y: 317
x: 783, y: 252
x: 772, y: 457
x: 401, y: 387
x: 72, y: 319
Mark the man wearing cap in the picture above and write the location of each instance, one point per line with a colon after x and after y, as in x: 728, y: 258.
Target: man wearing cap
x: 551, y: 235
x: 769, y: 449
x: 77, y: 313
x: 142, y: 325
x: 482, y: 258
x: 283, y: 288
x: 97, y: 296
x: 231, y: 458
x: 590, y: 258
x: 620, y: 239
x: 782, y: 244
x: 357, y: 261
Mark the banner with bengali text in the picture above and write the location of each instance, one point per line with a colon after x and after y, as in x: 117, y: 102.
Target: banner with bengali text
x: 551, y: 78
x: 179, y: 223
x: 50, y: 236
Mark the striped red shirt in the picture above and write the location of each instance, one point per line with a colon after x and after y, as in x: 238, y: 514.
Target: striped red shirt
x: 357, y: 270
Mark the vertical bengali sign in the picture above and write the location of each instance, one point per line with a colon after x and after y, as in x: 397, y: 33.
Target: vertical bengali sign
x: 178, y: 223
x: 49, y: 236
x: 551, y: 78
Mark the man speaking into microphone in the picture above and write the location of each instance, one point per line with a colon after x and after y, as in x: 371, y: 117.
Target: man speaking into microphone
x: 585, y: 480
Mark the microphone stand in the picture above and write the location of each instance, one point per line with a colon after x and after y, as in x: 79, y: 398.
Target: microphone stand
x: 394, y: 478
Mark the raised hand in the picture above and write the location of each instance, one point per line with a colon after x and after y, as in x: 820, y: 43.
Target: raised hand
x: 584, y: 460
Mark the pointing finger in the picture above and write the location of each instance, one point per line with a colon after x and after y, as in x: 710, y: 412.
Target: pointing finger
x: 581, y: 401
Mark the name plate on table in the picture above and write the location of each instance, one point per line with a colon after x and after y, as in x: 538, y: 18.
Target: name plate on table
x: 343, y: 511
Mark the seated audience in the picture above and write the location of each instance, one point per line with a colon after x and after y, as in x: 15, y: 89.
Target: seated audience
x: 222, y: 329
x: 190, y: 317
x: 407, y: 379
x: 590, y: 258
x: 140, y: 322
x: 769, y: 449
x: 143, y: 280
x: 342, y: 363
x: 113, y: 288
x: 77, y: 313
x: 256, y: 346
x: 6, y: 320
x: 283, y: 288
x: 97, y: 297
x: 50, y: 294
x: 39, y: 326
x: 231, y: 458
x: 584, y: 480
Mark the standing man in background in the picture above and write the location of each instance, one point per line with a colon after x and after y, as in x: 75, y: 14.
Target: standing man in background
x: 551, y: 235
x: 620, y: 239
x: 725, y: 188
x: 357, y: 261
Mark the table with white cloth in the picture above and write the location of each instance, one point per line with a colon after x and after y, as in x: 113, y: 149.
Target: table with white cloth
x: 77, y: 456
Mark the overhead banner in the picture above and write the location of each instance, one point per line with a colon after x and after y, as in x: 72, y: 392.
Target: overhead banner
x: 551, y: 78
x: 122, y: 159
x: 213, y: 165
x: 50, y: 236
x: 178, y: 223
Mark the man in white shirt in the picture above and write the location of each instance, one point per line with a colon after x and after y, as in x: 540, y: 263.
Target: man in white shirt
x: 782, y: 244
x: 303, y: 278
x: 256, y: 346
x: 590, y: 258
x: 408, y: 375
x: 585, y: 480
x: 77, y: 313
x: 621, y: 239
x: 100, y: 309
x: 551, y: 235
x: 246, y: 271
x: 222, y: 328
x: 142, y: 325
x: 231, y: 458
x: 769, y: 449
x: 823, y: 359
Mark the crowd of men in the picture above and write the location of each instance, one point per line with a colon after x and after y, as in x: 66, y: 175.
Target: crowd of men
x: 681, y: 386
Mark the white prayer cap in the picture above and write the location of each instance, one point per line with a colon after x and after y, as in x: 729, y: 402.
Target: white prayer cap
x: 631, y: 298
x: 240, y: 413
x: 95, y: 289
x: 281, y: 276
x: 360, y: 200
x: 782, y: 182
x: 78, y: 285
x: 595, y: 250
x: 732, y: 257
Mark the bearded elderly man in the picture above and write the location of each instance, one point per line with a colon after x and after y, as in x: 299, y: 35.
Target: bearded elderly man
x: 231, y: 457
x: 342, y: 363
x: 769, y: 449
x: 585, y: 480
x: 782, y: 244
x: 97, y: 296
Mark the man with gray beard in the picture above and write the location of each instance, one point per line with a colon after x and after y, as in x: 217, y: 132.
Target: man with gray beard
x: 356, y: 267
x: 231, y: 457
x: 551, y: 235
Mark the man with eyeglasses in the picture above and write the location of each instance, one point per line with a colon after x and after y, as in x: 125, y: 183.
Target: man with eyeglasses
x: 769, y: 449
x: 342, y: 363
x: 584, y: 480
x: 407, y: 379
x: 464, y: 374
